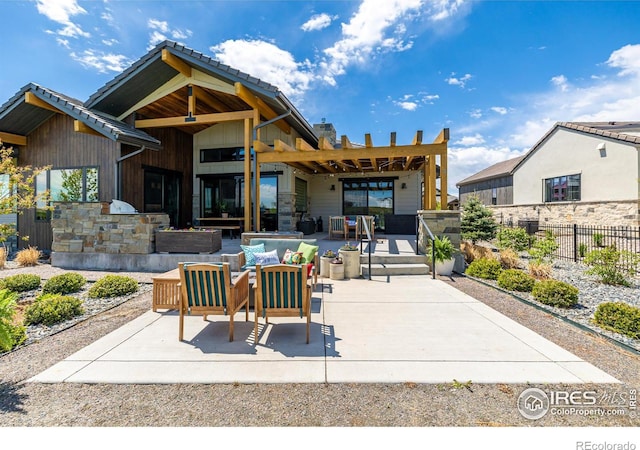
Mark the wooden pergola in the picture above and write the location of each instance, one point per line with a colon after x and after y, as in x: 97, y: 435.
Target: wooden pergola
x: 362, y: 159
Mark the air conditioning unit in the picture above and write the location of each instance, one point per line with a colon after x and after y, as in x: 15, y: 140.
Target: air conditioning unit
x: 120, y: 207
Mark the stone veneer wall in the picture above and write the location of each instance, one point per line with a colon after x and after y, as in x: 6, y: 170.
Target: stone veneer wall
x: 623, y: 213
x: 442, y: 223
x: 89, y: 228
x: 286, y: 211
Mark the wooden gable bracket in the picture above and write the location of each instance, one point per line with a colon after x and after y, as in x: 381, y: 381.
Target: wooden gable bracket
x: 199, y: 119
x: 175, y: 62
x: 258, y: 104
x: 32, y: 99
x: 81, y: 127
x: 10, y: 138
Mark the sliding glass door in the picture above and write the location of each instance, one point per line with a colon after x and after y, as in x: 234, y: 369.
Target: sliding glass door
x: 372, y: 197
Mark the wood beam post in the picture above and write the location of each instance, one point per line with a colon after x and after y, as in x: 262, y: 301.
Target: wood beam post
x: 10, y: 138
x: 444, y: 195
x: 32, y: 99
x: 432, y: 182
x: 176, y: 63
x: 247, y: 174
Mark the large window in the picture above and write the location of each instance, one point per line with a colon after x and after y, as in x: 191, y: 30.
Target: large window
x: 221, y: 154
x: 67, y: 185
x: 372, y: 197
x: 562, y: 189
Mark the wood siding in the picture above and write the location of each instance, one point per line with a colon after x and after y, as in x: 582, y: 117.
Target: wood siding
x: 176, y: 155
x: 483, y: 190
x: 56, y: 144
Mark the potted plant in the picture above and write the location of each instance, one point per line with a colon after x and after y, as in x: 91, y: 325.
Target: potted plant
x: 444, y: 255
x: 350, y: 256
x: 336, y: 269
x: 325, y: 261
x: 223, y: 208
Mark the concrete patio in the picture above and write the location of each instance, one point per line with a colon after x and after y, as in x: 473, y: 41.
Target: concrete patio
x: 389, y: 329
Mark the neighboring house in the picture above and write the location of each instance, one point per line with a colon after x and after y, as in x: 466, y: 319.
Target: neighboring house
x: 170, y: 134
x: 493, y: 185
x: 578, y: 172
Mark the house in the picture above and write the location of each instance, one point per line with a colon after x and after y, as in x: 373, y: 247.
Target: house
x: 171, y: 134
x: 581, y: 173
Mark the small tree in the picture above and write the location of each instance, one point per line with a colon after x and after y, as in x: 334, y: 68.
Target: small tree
x: 477, y: 222
x: 17, y: 189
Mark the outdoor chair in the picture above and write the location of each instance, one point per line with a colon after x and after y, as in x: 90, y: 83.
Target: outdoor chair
x: 207, y: 289
x: 282, y: 291
x: 337, y: 226
x: 360, y: 231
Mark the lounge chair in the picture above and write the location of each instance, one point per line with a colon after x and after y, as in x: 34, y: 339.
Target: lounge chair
x: 338, y: 227
x: 282, y: 291
x: 207, y: 289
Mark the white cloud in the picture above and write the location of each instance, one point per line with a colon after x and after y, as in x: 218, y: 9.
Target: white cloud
x: 61, y: 11
x: 318, y: 22
x: 499, y: 109
x: 268, y: 62
x: 466, y: 161
x: 561, y: 82
x: 466, y: 141
x: 409, y: 106
x: 161, y: 31
x: 458, y: 81
x: 408, y: 102
x: 445, y: 9
x: 475, y: 113
x: 103, y: 62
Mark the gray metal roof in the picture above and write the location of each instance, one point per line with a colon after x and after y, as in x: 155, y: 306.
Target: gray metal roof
x: 149, y: 73
x: 19, y: 117
x: 497, y: 170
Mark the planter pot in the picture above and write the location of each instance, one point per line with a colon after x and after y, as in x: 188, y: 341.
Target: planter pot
x: 325, y: 262
x: 445, y: 268
x: 336, y: 271
x: 351, y: 262
x: 188, y: 241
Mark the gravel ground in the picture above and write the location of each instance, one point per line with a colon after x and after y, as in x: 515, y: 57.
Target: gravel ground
x: 305, y: 405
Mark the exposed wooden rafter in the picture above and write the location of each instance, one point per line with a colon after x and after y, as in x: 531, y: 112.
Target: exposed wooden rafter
x: 32, y: 99
x: 81, y: 127
x: 10, y: 138
x: 257, y: 103
x: 176, y: 63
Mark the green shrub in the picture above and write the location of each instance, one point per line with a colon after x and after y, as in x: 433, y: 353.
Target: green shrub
x: 543, y: 249
x: 555, y: 293
x: 49, y: 309
x: 582, y: 249
x: 516, y: 239
x: 113, y: 286
x: 7, y: 312
x: 612, y: 265
x: 487, y: 268
x: 477, y: 222
x: 516, y: 280
x: 21, y: 282
x: 598, y: 239
x: 66, y: 283
x: 619, y: 317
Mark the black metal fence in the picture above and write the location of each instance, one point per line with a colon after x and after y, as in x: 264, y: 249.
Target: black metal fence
x: 575, y: 241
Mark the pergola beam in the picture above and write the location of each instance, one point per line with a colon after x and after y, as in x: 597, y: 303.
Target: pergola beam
x: 81, y: 127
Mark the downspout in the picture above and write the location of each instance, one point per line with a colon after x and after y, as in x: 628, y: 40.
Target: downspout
x: 254, y: 164
x: 117, y: 181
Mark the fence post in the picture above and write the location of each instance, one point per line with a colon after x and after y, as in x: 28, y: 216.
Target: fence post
x: 575, y: 242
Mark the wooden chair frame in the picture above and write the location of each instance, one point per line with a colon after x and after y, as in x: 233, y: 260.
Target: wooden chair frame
x: 282, y: 291
x: 338, y: 225
x: 360, y: 228
x: 207, y: 289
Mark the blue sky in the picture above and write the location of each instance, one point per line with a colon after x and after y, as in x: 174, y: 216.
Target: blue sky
x: 497, y: 73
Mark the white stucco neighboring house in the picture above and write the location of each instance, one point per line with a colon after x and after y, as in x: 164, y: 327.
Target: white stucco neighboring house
x: 586, y: 173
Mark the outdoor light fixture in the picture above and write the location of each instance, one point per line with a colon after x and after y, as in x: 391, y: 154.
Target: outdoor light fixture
x: 403, y: 186
x: 333, y: 187
x: 602, y: 148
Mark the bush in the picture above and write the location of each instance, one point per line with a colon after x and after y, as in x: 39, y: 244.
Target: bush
x: 543, y: 249
x: 555, y: 293
x: 28, y: 256
x: 477, y: 222
x: 515, y: 239
x: 7, y: 312
x: 619, y: 317
x: 66, y: 283
x: 113, y: 286
x: 21, y: 282
x: 49, y: 309
x: 3, y: 257
x: 582, y: 249
x: 509, y: 259
x: 516, y: 280
x: 612, y: 266
x: 598, y: 239
x: 487, y: 268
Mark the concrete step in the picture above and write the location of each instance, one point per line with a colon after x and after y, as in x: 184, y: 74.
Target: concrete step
x: 395, y: 269
x: 393, y: 259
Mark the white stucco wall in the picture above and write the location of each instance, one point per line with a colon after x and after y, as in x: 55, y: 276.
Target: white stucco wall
x: 612, y: 177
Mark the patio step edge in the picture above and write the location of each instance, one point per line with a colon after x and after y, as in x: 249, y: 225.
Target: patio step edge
x: 395, y: 269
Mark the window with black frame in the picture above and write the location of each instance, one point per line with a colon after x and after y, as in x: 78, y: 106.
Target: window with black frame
x: 372, y: 197
x: 67, y: 185
x: 562, y: 189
